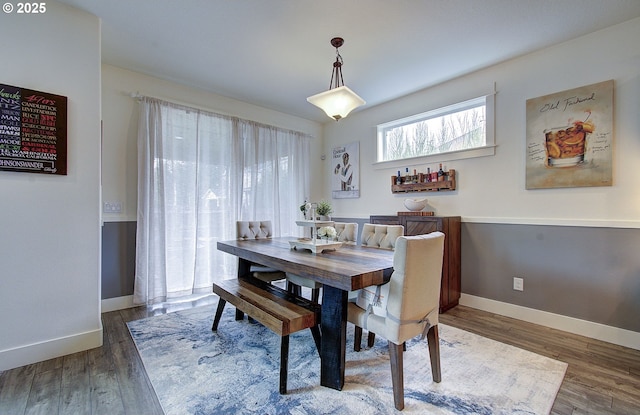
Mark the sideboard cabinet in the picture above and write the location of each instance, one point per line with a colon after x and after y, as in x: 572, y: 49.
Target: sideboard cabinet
x: 450, y: 226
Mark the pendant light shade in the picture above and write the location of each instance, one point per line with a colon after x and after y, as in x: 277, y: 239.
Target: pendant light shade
x: 339, y: 100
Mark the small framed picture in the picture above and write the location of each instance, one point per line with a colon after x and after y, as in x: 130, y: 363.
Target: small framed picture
x: 345, y: 182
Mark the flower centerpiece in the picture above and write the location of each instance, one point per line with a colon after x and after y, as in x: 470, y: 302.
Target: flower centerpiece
x: 327, y: 232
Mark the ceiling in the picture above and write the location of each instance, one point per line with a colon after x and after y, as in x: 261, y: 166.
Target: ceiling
x: 276, y: 53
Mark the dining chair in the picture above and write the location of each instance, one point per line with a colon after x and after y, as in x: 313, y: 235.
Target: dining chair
x: 381, y: 237
x: 259, y: 230
x: 412, y: 306
x: 347, y: 233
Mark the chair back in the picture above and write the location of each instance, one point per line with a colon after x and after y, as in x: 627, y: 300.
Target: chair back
x: 414, y: 288
x: 253, y: 229
x: 347, y: 232
x: 380, y: 236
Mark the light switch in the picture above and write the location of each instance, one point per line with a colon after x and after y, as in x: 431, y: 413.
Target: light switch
x: 112, y: 207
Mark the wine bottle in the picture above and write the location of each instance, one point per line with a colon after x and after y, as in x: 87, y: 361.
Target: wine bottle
x: 440, y: 174
x: 398, y: 178
x: 428, y: 174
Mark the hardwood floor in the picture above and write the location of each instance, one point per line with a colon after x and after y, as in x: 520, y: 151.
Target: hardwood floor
x: 602, y: 378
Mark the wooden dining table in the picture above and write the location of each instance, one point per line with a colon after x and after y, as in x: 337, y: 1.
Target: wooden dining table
x: 348, y: 268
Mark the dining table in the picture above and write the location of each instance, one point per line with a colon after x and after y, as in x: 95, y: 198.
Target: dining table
x: 347, y: 268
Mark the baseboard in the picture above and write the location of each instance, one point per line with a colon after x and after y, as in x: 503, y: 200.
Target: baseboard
x: 38, y: 352
x: 117, y: 303
x: 615, y: 335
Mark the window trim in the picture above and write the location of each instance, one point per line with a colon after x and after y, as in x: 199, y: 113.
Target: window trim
x: 487, y: 150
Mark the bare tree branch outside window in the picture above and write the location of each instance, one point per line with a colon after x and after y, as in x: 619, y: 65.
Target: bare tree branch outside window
x: 452, y: 131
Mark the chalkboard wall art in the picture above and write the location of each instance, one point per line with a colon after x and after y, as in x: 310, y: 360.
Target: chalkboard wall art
x: 33, y: 131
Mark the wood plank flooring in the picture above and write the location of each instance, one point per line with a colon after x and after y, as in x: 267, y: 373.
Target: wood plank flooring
x: 602, y: 378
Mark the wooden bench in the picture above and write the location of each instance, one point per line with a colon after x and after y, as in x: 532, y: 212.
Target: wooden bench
x: 278, y: 310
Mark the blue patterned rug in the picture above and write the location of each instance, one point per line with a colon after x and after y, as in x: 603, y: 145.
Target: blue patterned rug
x: 236, y: 371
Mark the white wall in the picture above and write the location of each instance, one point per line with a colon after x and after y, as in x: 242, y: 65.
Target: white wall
x: 119, y: 158
x: 50, y: 224
x: 492, y: 189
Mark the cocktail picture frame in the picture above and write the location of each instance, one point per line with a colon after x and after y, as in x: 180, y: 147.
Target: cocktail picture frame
x: 569, y: 138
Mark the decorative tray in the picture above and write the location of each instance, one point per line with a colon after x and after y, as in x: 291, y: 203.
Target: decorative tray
x: 316, y: 246
x: 314, y: 223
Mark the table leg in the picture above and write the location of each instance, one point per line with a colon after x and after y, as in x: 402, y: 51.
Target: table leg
x: 333, y: 323
x: 244, y: 268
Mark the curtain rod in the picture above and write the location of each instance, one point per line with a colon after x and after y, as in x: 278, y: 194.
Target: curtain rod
x: 138, y: 97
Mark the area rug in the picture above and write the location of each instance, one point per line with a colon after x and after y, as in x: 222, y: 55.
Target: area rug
x: 236, y: 371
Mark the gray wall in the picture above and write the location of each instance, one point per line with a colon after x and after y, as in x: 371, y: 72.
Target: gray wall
x: 583, y: 272
x: 118, y: 259
x: 588, y: 273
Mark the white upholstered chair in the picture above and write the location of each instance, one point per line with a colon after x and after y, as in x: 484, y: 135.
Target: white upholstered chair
x: 380, y: 236
x: 346, y: 233
x: 259, y: 230
x: 412, y: 306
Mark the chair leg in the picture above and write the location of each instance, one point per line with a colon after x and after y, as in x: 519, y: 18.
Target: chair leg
x: 371, y: 339
x: 397, y: 376
x: 434, y: 353
x: 317, y: 338
x: 219, y: 310
x: 296, y: 289
x: 284, y: 363
x: 315, y: 295
x: 357, y: 338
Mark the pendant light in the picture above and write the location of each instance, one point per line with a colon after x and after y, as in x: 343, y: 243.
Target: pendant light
x: 339, y: 100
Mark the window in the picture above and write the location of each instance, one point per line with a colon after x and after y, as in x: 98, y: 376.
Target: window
x: 456, y: 130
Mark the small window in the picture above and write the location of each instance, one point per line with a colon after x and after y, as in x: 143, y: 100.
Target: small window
x: 455, y: 128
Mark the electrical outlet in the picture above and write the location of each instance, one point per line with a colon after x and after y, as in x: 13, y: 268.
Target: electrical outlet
x: 518, y: 284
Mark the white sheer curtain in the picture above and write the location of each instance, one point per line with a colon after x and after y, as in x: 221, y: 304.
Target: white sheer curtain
x: 199, y: 172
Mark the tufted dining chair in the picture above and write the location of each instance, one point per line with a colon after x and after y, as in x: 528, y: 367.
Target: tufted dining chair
x: 412, y: 307
x: 258, y: 230
x: 347, y: 233
x: 380, y: 236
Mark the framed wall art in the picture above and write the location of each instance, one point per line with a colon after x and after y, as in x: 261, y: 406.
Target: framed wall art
x: 570, y: 138
x: 33, y: 131
x: 345, y: 183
